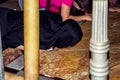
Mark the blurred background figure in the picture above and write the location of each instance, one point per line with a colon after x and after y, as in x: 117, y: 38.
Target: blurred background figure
x: 114, y: 5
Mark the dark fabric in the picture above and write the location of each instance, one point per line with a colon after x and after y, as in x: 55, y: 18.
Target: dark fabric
x: 1, y: 1
x: 54, y: 32
x: 11, y: 28
x: 69, y: 34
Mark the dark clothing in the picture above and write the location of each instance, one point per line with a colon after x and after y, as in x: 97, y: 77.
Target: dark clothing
x: 53, y: 32
x: 1, y: 1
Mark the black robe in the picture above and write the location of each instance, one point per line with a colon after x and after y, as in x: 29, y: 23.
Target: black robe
x: 53, y: 32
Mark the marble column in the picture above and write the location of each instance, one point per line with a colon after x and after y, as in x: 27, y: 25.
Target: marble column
x: 99, y: 43
x: 31, y: 39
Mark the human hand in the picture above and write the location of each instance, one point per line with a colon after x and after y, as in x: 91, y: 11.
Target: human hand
x: 114, y: 9
x: 88, y: 18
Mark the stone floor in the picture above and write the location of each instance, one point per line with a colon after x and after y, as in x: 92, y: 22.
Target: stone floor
x: 72, y: 63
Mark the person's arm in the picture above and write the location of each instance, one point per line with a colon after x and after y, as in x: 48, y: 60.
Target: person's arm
x: 65, y: 13
x: 112, y: 9
x: 81, y: 18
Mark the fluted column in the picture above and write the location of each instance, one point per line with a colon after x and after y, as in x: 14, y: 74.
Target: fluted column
x: 31, y: 39
x: 1, y: 61
x: 99, y: 43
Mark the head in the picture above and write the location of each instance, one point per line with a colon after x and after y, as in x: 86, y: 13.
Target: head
x: 84, y: 5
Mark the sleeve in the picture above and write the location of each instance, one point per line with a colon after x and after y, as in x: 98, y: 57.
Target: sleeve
x: 68, y: 2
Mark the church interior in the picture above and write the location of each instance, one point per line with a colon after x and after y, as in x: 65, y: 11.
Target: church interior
x: 71, y: 63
